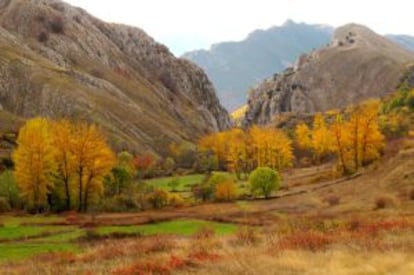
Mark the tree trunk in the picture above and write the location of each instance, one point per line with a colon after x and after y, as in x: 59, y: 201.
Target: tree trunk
x: 80, y: 189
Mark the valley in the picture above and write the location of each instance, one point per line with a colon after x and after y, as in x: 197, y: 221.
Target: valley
x: 117, y: 157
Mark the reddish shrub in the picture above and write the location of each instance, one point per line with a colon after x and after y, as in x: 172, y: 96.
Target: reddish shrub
x: 202, y: 256
x: 333, y: 200
x: 313, y: 241
x: 143, y: 268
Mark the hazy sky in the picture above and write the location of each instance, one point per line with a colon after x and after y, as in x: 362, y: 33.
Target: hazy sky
x: 185, y: 25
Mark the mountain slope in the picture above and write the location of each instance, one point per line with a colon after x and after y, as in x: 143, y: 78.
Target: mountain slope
x: 233, y: 67
x: 359, y: 64
x: 59, y: 61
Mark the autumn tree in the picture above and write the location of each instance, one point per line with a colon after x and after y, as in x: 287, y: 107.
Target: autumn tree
x: 62, y: 135
x: 270, y: 147
x: 143, y: 163
x: 341, y: 143
x: 318, y: 139
x: 34, y: 161
x: 93, y: 160
x: 367, y: 139
x: 236, y: 151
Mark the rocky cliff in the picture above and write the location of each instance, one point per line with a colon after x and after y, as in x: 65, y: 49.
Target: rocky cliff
x: 58, y: 61
x: 358, y: 64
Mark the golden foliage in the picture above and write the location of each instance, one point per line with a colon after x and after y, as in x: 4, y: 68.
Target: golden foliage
x: 52, y: 153
x: 93, y: 160
x: 243, y: 151
x: 34, y: 162
x: 225, y: 191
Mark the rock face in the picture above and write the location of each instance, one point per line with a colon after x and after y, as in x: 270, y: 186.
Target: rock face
x: 58, y: 61
x: 234, y: 67
x: 357, y: 65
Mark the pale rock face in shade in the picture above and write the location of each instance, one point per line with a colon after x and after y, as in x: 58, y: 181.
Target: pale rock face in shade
x: 59, y: 61
x: 357, y: 65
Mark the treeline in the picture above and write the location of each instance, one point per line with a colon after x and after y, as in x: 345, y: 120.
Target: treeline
x: 353, y: 136
x: 241, y: 151
x: 64, y: 165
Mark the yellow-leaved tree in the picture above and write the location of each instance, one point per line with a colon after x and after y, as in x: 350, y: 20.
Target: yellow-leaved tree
x: 270, y: 147
x: 93, y: 160
x: 62, y: 139
x: 367, y: 139
x: 35, y: 164
x: 318, y: 139
x: 236, y: 151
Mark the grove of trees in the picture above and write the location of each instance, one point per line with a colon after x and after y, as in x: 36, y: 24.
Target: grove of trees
x: 241, y: 151
x: 61, y: 164
x: 354, y: 136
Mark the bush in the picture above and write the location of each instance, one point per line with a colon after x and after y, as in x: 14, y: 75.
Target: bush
x: 333, y: 200
x: 263, y: 181
x: 4, y: 205
x: 176, y: 200
x: 9, y: 189
x: 308, y: 240
x: 225, y: 191
x: 385, y: 201
x: 173, y: 184
x: 159, y: 198
x: 411, y: 194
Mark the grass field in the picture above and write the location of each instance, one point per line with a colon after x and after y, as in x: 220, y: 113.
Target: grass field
x: 185, y: 182
x: 22, y: 237
x: 178, y: 227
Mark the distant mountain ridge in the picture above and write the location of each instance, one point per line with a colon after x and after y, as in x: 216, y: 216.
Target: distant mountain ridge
x: 405, y: 41
x: 234, y: 67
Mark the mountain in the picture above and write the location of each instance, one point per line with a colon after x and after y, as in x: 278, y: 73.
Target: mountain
x: 357, y: 65
x: 405, y: 41
x: 59, y: 61
x: 234, y: 67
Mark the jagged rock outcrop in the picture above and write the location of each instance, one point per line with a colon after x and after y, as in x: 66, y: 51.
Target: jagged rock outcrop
x: 58, y: 61
x: 357, y: 65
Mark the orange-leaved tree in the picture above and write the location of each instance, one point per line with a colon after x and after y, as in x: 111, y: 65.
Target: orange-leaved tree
x: 93, y: 160
x: 34, y: 161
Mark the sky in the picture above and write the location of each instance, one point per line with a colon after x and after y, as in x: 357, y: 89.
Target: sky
x: 185, y: 25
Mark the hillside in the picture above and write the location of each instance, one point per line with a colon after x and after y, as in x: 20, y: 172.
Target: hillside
x: 357, y: 65
x: 59, y: 61
x: 234, y: 67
